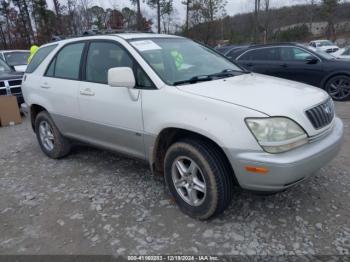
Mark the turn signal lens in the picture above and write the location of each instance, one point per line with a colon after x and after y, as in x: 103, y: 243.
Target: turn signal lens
x: 255, y: 169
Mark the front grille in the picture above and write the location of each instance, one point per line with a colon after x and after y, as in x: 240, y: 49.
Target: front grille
x: 10, y: 87
x: 15, y: 82
x: 332, y: 50
x: 321, y: 115
x: 16, y: 90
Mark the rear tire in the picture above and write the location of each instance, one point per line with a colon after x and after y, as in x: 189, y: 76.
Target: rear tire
x: 338, y: 87
x: 199, y: 178
x: 51, y: 141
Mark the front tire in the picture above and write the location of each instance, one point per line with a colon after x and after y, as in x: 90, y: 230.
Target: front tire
x: 51, y: 141
x: 338, y: 87
x: 199, y: 178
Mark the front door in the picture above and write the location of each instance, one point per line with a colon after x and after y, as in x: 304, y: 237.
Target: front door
x: 263, y: 60
x: 112, y: 116
x: 302, y: 66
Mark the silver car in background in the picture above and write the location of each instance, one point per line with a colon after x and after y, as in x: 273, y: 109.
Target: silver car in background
x: 17, y: 59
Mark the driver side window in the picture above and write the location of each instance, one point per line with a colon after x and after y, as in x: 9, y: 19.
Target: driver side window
x: 294, y: 54
x: 103, y: 56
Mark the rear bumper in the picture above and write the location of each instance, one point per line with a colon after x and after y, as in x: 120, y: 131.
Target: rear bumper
x: 286, y: 169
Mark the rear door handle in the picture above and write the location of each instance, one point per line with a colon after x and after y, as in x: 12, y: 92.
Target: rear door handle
x: 283, y: 65
x: 249, y: 64
x: 87, y: 92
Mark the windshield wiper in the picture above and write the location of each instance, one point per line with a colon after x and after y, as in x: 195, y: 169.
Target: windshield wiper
x: 202, y: 78
x: 194, y: 80
x: 228, y: 73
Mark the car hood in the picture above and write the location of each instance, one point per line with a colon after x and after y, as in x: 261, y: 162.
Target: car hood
x: 10, y: 75
x: 327, y: 47
x: 20, y: 68
x: 270, y: 95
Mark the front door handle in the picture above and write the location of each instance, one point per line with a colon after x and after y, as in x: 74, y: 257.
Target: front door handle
x: 87, y: 92
x: 249, y: 64
x: 283, y: 65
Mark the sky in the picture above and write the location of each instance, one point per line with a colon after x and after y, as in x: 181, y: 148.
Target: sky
x: 233, y: 6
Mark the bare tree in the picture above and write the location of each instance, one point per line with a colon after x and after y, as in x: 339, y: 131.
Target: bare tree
x: 328, y: 9
x: 266, y: 8
x: 256, y: 20
x: 139, y: 15
x: 187, y: 3
x: 311, y: 12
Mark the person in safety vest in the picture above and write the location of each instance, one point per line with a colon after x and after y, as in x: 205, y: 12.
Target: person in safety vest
x: 179, y: 59
x: 33, y: 51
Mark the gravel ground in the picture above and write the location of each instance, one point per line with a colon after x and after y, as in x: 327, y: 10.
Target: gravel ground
x: 96, y: 202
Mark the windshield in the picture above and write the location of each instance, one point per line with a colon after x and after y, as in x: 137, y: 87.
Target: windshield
x: 325, y: 55
x: 4, y: 68
x: 178, y: 60
x: 16, y: 58
x: 325, y: 43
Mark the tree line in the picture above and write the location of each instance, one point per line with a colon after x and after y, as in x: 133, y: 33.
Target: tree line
x: 25, y: 22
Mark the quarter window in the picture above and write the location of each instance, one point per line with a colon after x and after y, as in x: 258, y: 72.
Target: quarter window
x: 40, y: 55
x: 101, y: 57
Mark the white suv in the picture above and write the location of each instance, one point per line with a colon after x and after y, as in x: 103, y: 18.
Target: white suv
x: 198, y: 119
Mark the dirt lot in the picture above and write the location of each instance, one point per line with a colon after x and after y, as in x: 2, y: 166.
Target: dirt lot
x: 95, y: 202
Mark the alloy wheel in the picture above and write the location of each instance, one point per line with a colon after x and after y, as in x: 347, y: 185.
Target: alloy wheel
x: 339, y: 88
x: 189, y: 181
x: 46, y: 136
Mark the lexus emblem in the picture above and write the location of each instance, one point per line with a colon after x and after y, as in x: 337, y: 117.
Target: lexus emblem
x: 327, y: 109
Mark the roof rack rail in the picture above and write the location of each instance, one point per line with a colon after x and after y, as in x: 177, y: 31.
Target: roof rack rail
x: 112, y: 31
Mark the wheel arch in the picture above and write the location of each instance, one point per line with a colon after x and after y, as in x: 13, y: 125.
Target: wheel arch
x: 35, y: 109
x: 169, y: 136
x: 331, y: 75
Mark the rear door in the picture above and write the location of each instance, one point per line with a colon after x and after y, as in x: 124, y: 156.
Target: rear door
x: 60, y: 86
x: 112, y: 115
x: 261, y: 60
x: 300, y: 65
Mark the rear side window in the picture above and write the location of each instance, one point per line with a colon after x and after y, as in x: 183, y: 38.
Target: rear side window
x: 264, y: 54
x: 67, y: 63
x: 39, y: 57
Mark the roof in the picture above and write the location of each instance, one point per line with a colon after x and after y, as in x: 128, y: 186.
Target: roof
x: 128, y: 36
x: 275, y: 44
x: 320, y: 40
x: 14, y: 50
x: 125, y: 36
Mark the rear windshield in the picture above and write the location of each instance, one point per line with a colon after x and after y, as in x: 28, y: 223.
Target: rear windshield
x: 40, y: 55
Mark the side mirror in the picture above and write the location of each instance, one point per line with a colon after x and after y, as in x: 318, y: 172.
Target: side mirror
x: 311, y: 60
x: 121, y: 77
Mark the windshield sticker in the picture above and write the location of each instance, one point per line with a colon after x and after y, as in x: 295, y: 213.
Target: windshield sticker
x: 145, y: 45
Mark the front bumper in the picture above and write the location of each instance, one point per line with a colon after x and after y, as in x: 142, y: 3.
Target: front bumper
x: 289, y: 168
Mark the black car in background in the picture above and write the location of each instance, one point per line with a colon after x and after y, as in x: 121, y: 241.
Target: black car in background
x: 10, y: 82
x: 296, y: 62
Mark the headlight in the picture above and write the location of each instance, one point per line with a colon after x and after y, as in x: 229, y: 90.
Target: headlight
x: 277, y: 134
